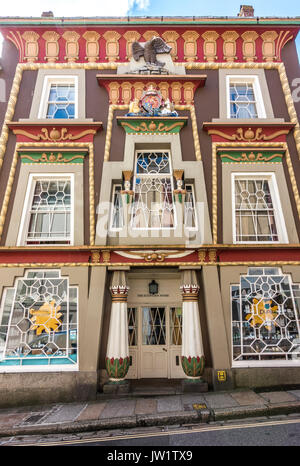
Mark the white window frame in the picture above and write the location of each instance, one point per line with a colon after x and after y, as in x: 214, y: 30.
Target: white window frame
x: 42, y: 367
x: 278, y: 212
x: 56, y: 79
x: 259, y: 363
x: 158, y: 175
x: 111, y: 227
x: 254, y: 80
x: 195, y: 228
x: 25, y: 219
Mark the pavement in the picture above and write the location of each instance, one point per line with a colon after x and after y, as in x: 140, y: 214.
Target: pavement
x: 139, y: 410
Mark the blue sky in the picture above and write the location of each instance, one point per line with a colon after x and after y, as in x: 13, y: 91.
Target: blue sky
x: 150, y: 8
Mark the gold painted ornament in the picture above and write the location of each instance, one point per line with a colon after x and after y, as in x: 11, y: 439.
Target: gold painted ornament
x: 46, y: 318
x: 262, y: 313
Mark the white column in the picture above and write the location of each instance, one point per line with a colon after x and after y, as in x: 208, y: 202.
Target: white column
x: 192, y: 355
x: 117, y: 354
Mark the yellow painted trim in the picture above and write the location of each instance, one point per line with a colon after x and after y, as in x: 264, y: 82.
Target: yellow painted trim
x: 19, y: 146
x: 219, y: 145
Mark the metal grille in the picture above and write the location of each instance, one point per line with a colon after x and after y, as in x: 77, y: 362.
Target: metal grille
x: 153, y: 206
x: 39, y: 320
x: 265, y: 316
x: 254, y: 211
x: 50, y: 212
x: 154, y: 326
x: 176, y: 326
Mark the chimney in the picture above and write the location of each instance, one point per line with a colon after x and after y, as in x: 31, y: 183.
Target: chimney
x: 47, y: 14
x: 246, y: 11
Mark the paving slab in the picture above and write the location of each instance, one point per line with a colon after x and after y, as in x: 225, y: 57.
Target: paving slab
x: 248, y: 398
x: 118, y: 408
x: 278, y: 397
x: 169, y: 403
x: 190, y: 399
x: 10, y: 420
x: 91, y: 411
x: 220, y: 400
x: 294, y: 392
x: 64, y: 413
x: 146, y: 406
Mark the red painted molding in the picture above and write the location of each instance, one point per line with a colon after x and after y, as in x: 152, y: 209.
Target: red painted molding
x: 55, y: 131
x: 247, y: 132
x: 283, y: 33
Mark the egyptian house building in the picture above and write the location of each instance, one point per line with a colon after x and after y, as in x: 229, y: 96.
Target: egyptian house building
x: 150, y: 210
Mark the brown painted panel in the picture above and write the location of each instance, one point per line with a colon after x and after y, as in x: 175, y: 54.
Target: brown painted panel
x: 25, y: 96
x: 8, y: 63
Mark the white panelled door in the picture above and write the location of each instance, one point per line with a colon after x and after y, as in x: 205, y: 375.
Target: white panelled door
x: 155, y: 342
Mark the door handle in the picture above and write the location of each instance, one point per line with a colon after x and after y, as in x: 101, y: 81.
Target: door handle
x: 164, y: 349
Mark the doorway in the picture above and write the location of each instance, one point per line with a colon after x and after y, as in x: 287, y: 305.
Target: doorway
x: 155, y: 334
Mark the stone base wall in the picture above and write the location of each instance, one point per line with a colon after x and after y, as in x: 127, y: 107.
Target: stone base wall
x: 46, y: 388
x: 266, y: 377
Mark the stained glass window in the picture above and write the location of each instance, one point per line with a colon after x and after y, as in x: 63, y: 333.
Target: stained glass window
x: 265, y: 317
x: 38, y: 321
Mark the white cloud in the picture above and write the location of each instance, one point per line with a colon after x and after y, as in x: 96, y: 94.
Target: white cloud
x: 71, y: 8
x: 140, y: 4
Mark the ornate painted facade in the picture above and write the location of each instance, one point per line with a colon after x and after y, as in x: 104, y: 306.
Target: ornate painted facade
x: 149, y: 204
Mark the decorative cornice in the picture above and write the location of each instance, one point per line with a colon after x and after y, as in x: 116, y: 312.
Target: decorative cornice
x: 58, y: 133
x: 160, y: 125
x: 248, y: 134
x: 252, y: 156
x: 51, y: 157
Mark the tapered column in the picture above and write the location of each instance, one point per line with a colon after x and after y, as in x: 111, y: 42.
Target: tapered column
x: 117, y: 355
x: 192, y: 358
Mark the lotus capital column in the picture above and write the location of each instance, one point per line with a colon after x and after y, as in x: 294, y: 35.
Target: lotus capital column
x: 117, y: 354
x: 192, y: 356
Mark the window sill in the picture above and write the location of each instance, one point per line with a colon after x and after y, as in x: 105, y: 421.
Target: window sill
x: 248, y: 121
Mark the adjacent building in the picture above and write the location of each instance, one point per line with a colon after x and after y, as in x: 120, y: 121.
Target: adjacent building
x: 149, y: 204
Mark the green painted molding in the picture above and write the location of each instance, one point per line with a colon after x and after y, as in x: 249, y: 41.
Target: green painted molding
x: 52, y: 157
x: 152, y: 125
x: 161, y: 20
x: 251, y: 156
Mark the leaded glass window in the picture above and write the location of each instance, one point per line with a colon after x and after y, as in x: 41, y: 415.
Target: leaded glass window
x: 265, y: 317
x: 132, y: 326
x: 189, y: 207
x: 242, y: 100
x: 61, y: 101
x: 175, y: 325
x: 50, y: 212
x: 255, y: 215
x: 38, y: 321
x: 117, y: 217
x: 153, y: 206
x: 154, y: 326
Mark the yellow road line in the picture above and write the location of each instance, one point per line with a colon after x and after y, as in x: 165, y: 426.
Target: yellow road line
x: 173, y: 432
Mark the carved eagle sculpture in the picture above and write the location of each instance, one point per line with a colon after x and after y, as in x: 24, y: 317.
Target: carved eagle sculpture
x: 149, y: 50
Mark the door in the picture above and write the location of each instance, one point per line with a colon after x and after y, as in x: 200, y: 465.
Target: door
x: 154, y: 342
x: 155, y: 337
